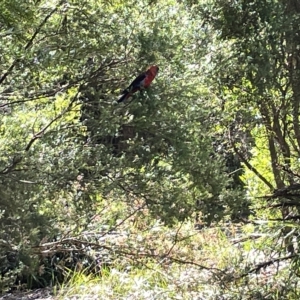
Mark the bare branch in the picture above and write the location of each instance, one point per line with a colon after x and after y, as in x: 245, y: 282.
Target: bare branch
x: 265, y: 264
x: 52, y: 247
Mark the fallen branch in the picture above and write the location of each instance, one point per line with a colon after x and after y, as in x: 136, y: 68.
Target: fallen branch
x: 70, y: 244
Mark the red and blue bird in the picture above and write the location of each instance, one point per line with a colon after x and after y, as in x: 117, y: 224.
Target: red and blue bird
x: 139, y: 83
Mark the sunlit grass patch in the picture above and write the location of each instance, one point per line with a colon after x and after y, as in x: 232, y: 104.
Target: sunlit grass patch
x: 144, y: 283
x: 182, y: 264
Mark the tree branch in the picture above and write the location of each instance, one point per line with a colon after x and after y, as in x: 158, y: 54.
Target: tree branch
x: 265, y: 264
x: 249, y: 166
x: 39, y: 134
x: 17, y: 159
x: 30, y: 42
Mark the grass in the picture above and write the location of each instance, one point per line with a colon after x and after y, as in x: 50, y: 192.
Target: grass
x: 189, y: 271
x: 150, y: 261
x: 144, y: 283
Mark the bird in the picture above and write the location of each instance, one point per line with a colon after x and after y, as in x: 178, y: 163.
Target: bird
x: 140, y: 82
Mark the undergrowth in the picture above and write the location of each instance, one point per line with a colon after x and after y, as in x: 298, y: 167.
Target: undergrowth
x: 183, y: 263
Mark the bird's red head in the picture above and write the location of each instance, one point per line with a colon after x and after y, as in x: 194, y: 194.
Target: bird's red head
x: 154, y: 70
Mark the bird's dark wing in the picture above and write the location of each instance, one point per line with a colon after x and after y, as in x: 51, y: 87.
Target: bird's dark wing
x: 137, y: 81
x: 135, y: 85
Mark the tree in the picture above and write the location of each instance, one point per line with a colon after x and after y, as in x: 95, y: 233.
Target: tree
x: 255, y: 71
x: 64, y: 65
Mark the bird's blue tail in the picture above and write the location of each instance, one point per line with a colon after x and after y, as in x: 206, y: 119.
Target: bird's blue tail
x: 123, y: 97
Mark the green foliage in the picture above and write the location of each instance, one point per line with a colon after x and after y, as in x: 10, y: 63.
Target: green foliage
x: 64, y: 64
x: 255, y: 72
